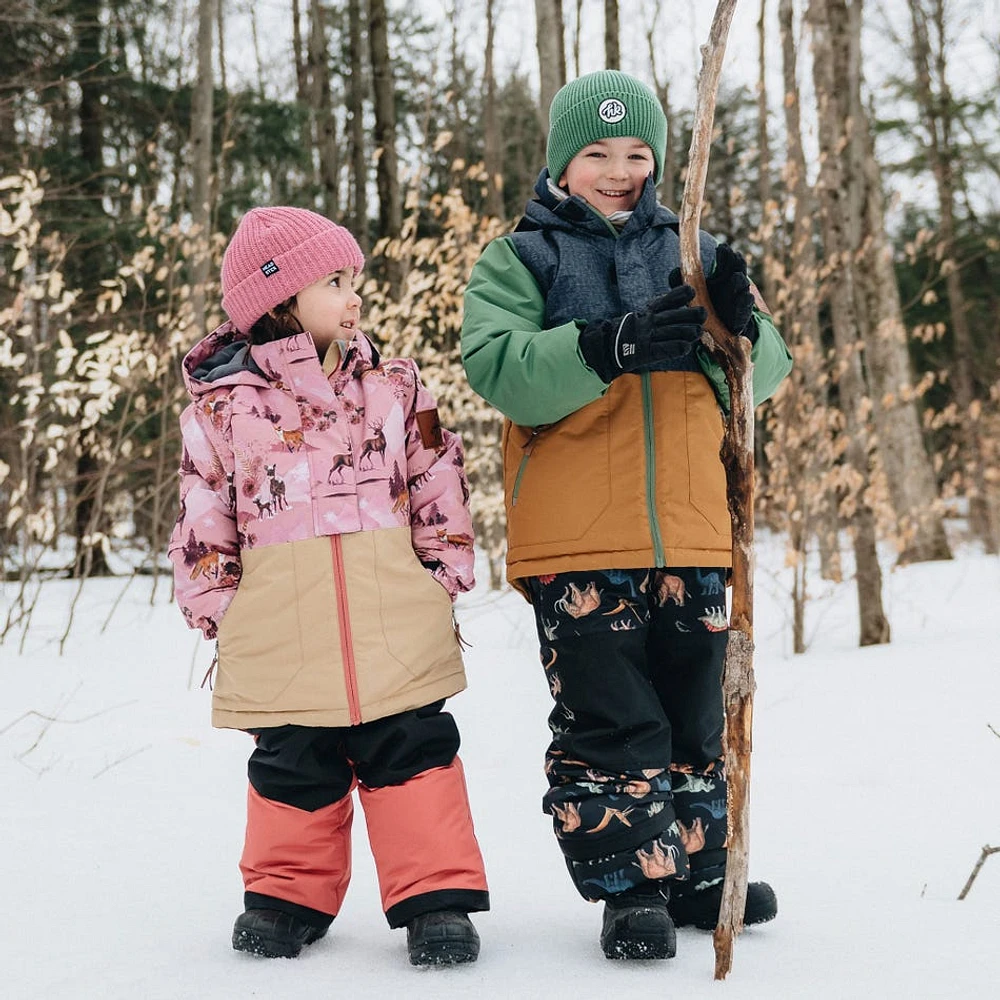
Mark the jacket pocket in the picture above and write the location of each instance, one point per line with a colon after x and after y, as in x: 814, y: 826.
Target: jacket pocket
x: 559, y: 477
x: 415, y: 610
x: 707, y: 475
x: 259, y: 650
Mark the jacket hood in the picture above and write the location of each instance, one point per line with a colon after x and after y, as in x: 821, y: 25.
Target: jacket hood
x: 546, y: 211
x: 226, y: 358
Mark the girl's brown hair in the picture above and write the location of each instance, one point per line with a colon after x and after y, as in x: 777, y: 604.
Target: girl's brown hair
x: 277, y: 324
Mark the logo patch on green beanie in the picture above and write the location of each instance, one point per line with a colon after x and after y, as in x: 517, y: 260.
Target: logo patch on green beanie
x: 612, y: 111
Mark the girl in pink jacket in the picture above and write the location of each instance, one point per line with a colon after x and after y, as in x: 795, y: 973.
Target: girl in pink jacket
x: 324, y: 532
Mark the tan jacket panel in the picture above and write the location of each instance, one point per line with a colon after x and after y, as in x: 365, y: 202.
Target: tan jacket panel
x: 581, y: 500
x: 281, y: 642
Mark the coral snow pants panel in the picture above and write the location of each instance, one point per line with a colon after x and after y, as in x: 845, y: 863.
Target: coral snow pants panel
x: 634, y: 661
x: 298, y: 848
x: 424, y: 847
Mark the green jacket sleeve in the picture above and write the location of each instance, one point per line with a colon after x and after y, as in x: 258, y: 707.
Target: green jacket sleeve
x: 532, y: 375
x: 771, y: 359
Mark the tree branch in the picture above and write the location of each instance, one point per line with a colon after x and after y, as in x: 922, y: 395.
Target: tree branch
x: 733, y: 355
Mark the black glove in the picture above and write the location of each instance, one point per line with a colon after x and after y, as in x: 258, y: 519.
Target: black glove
x: 729, y: 290
x: 641, y: 341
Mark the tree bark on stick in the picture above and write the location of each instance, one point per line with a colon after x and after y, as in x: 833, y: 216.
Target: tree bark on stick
x: 984, y: 854
x: 733, y: 354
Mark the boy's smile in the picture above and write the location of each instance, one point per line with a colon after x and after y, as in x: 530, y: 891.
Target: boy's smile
x: 610, y: 173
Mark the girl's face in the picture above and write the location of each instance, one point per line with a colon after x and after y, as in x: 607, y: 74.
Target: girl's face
x: 329, y: 309
x: 610, y: 173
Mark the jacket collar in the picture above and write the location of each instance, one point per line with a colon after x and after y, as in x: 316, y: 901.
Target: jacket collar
x: 547, y: 211
x: 226, y: 358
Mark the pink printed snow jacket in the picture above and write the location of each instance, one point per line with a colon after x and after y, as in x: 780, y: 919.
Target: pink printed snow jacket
x: 324, y: 530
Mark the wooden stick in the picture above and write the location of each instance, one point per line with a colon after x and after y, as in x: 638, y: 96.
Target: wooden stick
x: 733, y: 355
x: 984, y: 854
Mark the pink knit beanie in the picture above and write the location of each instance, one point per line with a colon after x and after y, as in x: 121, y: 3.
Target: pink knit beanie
x: 275, y: 253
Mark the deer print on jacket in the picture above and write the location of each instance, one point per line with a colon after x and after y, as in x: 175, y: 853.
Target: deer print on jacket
x: 282, y: 451
x: 374, y: 445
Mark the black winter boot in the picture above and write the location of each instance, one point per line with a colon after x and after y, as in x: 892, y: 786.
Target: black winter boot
x: 637, y: 924
x: 700, y: 907
x: 444, y: 937
x: 273, y: 933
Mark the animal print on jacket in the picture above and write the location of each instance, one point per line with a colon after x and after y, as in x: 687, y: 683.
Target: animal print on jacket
x: 276, y: 450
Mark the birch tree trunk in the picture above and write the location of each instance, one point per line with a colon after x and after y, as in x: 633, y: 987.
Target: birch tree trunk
x: 551, y: 55
x: 936, y: 116
x: 201, y: 161
x: 830, y: 83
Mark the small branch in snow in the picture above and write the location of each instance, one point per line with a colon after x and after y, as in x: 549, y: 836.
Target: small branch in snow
x: 121, y: 760
x: 984, y: 854
x: 118, y: 600
x: 49, y: 719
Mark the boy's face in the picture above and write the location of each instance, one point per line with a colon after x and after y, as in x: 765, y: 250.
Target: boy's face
x: 610, y: 173
x: 330, y: 308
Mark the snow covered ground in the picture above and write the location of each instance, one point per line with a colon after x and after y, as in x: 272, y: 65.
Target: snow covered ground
x: 876, y: 781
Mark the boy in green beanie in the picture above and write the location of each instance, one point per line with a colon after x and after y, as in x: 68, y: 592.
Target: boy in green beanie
x: 578, y: 329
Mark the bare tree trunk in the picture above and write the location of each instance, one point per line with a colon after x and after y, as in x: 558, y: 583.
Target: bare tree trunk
x: 612, y: 50
x: 222, y: 181
x: 88, y: 516
x: 355, y: 105
x: 668, y: 183
x: 390, y: 208
x: 577, y: 29
x: 803, y: 437
x: 201, y: 161
x: 831, y: 84
x: 763, y: 142
x: 491, y: 135
x: 298, y: 55
x: 322, y: 108
x: 551, y: 54
x: 908, y: 472
x: 936, y: 115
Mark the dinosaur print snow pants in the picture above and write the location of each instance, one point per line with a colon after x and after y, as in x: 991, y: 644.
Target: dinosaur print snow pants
x: 297, y: 855
x: 634, y: 659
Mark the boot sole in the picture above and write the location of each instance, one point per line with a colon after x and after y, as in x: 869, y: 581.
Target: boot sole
x: 444, y: 953
x: 255, y: 943
x: 704, y: 925
x: 640, y: 950
x: 263, y: 947
x: 640, y: 942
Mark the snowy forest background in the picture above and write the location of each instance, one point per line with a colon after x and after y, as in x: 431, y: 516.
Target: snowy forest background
x: 855, y: 163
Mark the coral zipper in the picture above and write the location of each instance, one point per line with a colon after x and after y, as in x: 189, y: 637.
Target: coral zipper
x: 346, y: 639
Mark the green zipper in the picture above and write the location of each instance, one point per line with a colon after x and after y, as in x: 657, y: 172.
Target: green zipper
x: 527, y: 446
x: 647, y: 433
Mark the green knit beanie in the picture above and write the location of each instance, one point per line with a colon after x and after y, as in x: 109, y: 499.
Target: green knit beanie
x: 604, y: 105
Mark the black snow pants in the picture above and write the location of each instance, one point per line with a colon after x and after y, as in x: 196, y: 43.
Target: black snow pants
x: 634, y: 660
